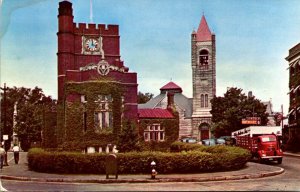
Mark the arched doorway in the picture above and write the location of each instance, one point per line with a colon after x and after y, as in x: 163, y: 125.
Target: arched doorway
x: 204, y: 131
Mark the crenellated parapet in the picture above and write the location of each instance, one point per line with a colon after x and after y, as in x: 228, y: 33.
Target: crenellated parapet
x: 88, y: 51
x: 93, y: 29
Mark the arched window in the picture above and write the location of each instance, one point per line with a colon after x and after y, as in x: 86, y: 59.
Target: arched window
x: 206, y: 100
x: 203, y: 57
x: 202, y: 100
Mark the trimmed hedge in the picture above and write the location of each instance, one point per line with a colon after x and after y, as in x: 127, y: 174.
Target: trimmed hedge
x: 207, y: 159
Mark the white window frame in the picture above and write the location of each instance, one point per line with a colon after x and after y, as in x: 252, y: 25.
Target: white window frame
x: 154, y: 132
x: 103, y: 115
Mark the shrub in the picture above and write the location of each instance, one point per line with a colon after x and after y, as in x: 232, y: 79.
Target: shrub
x: 202, y: 159
x: 181, y: 146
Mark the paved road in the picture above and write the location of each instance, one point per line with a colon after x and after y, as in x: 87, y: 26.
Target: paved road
x: 288, y: 181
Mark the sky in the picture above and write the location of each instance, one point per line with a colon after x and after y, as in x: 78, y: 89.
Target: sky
x: 253, y: 38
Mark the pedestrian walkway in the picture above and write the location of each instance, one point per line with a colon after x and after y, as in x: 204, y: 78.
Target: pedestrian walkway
x: 252, y: 170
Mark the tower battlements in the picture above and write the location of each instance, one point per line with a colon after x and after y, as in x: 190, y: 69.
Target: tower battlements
x: 92, y: 28
x: 66, y: 23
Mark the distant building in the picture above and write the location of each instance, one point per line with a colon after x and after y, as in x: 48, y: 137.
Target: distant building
x: 194, y: 113
x: 269, y: 109
x: 271, y: 116
x: 294, y: 92
x: 159, y: 124
x: 182, y: 104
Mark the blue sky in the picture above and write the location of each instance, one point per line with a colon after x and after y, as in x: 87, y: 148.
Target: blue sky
x: 252, y: 40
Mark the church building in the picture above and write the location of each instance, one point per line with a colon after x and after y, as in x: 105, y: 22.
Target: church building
x: 194, y: 113
x: 204, y: 79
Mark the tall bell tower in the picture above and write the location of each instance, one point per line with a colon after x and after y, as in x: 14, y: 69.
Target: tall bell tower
x: 203, y: 47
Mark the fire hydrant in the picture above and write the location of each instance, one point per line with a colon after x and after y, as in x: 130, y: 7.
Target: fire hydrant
x: 153, y: 172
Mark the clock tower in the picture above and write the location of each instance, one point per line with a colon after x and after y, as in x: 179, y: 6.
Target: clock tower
x: 89, y: 52
x: 204, y: 79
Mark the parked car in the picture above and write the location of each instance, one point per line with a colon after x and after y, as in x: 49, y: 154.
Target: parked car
x: 221, y: 141
x: 209, y: 142
x: 213, y: 142
x: 228, y: 140
x: 189, y: 140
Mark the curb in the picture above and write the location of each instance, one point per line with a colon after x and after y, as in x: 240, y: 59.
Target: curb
x: 157, y: 180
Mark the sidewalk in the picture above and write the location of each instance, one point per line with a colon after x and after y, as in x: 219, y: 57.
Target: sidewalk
x: 252, y: 170
x: 287, y: 153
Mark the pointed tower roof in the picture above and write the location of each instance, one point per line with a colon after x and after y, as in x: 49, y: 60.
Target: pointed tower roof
x: 203, y: 32
x: 171, y: 86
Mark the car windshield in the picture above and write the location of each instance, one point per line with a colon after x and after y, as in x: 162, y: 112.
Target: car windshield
x: 268, y: 139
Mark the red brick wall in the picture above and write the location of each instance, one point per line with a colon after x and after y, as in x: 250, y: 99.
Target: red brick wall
x: 70, y: 57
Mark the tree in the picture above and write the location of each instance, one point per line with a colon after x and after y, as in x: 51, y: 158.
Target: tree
x: 30, y: 105
x: 128, y: 138
x: 228, y: 111
x: 278, y: 118
x: 144, y: 98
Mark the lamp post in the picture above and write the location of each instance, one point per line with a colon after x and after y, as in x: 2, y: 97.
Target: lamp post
x: 5, y: 137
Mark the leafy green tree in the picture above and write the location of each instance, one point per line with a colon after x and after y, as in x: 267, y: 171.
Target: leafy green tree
x: 228, y: 111
x: 278, y: 118
x: 31, y: 105
x: 128, y: 138
x: 144, y: 98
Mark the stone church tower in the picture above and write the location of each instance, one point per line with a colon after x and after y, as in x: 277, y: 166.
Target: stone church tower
x: 204, y: 79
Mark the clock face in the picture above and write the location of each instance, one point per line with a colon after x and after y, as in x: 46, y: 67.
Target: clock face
x: 92, y: 44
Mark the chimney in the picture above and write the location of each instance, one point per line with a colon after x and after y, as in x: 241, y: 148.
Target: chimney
x: 250, y: 94
x: 170, y: 101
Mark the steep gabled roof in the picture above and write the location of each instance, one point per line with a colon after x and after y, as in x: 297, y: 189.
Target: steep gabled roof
x: 203, y: 32
x: 152, y: 103
x: 179, y: 99
x: 155, y: 113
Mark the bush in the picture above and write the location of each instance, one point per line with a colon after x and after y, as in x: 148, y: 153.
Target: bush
x: 181, y: 146
x: 201, y: 159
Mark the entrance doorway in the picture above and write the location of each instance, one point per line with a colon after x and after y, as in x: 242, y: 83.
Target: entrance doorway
x: 204, y: 131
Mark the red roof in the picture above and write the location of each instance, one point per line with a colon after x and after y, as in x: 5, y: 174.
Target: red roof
x: 155, y: 113
x: 203, y: 33
x: 171, y: 86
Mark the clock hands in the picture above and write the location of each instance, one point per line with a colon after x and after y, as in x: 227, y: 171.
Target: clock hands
x: 92, y: 44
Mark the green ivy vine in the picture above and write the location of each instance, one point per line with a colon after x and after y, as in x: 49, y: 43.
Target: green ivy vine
x: 70, y: 114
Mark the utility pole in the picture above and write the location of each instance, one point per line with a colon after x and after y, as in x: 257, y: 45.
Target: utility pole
x: 4, y: 124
